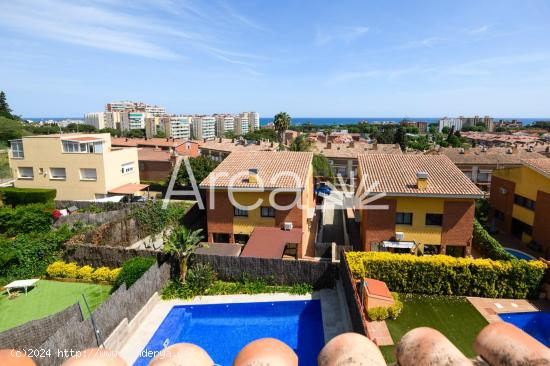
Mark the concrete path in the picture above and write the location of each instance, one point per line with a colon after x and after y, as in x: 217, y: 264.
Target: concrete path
x: 490, y: 308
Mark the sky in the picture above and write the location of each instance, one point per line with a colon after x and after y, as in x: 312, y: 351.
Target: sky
x: 316, y: 58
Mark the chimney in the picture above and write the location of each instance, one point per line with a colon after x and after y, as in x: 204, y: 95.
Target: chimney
x: 220, y: 139
x: 272, y: 144
x: 204, y: 140
x: 329, y: 145
x: 253, y: 175
x: 375, y: 146
x: 421, y: 180
x: 352, y: 144
x: 258, y: 142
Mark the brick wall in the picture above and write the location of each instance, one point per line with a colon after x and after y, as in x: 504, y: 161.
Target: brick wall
x: 220, y: 215
x: 541, y: 228
x: 378, y: 225
x: 156, y: 171
x: 502, y: 202
x: 457, y: 226
x: 293, y: 215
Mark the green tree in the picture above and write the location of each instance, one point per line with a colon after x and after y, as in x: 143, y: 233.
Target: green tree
x: 80, y: 127
x: 300, y: 143
x: 109, y: 130
x: 321, y: 167
x: 182, y: 243
x: 282, y: 122
x: 201, y: 167
x: 160, y: 134
x: 10, y: 129
x: 138, y: 134
x: 401, y: 138
x: 5, y: 110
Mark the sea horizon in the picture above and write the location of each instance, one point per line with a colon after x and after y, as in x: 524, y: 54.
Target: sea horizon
x: 332, y: 120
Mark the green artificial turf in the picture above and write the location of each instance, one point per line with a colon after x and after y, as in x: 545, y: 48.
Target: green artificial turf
x: 455, y: 317
x: 47, y: 298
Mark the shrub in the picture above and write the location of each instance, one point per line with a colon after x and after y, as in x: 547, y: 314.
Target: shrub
x: 70, y: 270
x: 396, y: 308
x: 113, y: 274
x: 56, y: 269
x: 200, y: 277
x: 25, y: 219
x: 132, y: 270
x: 487, y: 245
x: 85, y: 273
x: 22, y: 196
x: 444, y: 275
x: 377, y: 313
x: 102, y: 274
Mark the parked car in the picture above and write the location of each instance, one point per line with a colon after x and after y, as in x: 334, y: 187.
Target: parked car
x: 322, y: 190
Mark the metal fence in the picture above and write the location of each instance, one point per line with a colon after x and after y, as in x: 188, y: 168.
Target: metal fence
x: 355, y: 306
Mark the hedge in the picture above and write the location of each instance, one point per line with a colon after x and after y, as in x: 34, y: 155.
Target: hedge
x: 487, y: 245
x: 384, y: 312
x: 132, y: 270
x: 60, y: 269
x: 445, y: 275
x: 22, y: 196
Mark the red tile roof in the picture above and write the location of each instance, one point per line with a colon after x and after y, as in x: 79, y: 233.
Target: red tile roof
x: 270, y: 242
x: 161, y: 142
x: 395, y: 175
x: 148, y: 154
x: 377, y: 288
x: 129, y: 188
x: 541, y: 165
x: 233, y: 171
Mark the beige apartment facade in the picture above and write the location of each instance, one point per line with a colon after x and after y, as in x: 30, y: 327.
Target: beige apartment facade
x: 78, y: 166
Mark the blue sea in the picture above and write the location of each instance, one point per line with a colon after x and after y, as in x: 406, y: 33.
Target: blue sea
x: 331, y: 120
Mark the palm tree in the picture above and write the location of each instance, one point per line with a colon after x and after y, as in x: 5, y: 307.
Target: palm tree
x: 183, y: 242
x: 282, y: 122
x: 300, y: 143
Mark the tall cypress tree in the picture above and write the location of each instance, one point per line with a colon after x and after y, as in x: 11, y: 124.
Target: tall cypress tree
x: 5, y: 109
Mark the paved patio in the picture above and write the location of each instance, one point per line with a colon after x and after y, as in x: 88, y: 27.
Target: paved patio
x: 380, y: 333
x: 490, y: 308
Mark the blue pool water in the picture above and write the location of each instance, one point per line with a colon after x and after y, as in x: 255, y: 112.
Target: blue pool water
x: 537, y: 324
x: 519, y: 254
x: 223, y: 330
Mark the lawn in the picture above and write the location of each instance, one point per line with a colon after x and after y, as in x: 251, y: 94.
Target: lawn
x: 455, y: 317
x: 48, y: 298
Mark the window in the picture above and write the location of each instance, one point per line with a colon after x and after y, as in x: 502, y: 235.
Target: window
x: 127, y: 168
x: 524, y: 202
x: 434, y: 219
x: 17, y: 149
x: 58, y: 173
x: 404, y: 218
x: 268, y: 212
x: 71, y: 146
x: 484, y: 177
x: 25, y: 172
x: 239, y: 212
x: 82, y: 147
x: 88, y: 174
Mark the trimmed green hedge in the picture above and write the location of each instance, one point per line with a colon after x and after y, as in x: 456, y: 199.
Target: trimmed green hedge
x: 23, y: 196
x: 487, y: 245
x: 445, y: 275
x: 132, y: 270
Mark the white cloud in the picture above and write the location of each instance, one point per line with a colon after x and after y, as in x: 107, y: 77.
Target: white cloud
x: 482, y: 29
x: 345, y: 34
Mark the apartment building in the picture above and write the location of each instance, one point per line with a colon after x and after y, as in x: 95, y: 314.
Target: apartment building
x: 224, y: 123
x: 78, y: 166
x: 220, y: 148
x: 133, y: 121
x: 96, y: 119
x: 426, y: 204
x: 421, y: 125
x: 520, y: 202
x: 242, y: 126
x: 177, y: 127
x: 253, y: 119
x: 180, y: 147
x: 129, y: 106
x: 204, y: 127
x: 239, y: 208
x: 450, y: 123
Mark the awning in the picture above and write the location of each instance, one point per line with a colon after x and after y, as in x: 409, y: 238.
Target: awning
x: 398, y: 244
x: 130, y: 188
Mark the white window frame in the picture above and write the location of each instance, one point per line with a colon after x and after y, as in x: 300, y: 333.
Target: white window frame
x: 82, y: 176
x: 17, y: 151
x: 127, y: 168
x: 52, y: 177
x: 25, y: 177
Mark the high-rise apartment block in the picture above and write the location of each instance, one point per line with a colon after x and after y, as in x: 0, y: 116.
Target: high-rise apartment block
x: 204, y: 127
x: 241, y: 124
x: 224, y: 123
x: 177, y: 127
x: 128, y: 106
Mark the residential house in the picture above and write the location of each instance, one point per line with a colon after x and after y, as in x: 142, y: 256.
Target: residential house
x: 220, y: 148
x: 242, y: 195
x: 181, y: 147
x: 420, y: 203
x: 78, y: 166
x: 520, y: 202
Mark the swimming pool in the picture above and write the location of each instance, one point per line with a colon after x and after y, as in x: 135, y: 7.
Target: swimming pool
x: 536, y: 323
x: 519, y: 254
x: 223, y: 330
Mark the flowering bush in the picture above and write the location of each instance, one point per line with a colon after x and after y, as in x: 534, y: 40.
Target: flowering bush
x: 445, y: 275
x: 61, y: 269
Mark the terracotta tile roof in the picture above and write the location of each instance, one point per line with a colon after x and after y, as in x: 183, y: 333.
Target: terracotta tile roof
x: 227, y: 145
x: 148, y: 154
x: 270, y: 242
x: 339, y: 150
x: 542, y: 165
x: 396, y: 175
x: 129, y: 188
x: 491, y: 155
x: 377, y: 288
x: 235, y: 168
